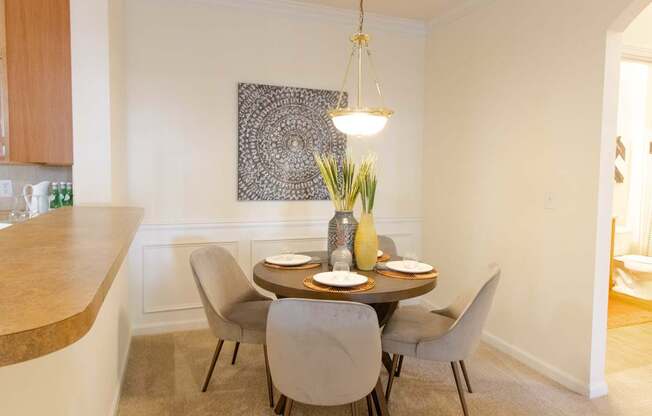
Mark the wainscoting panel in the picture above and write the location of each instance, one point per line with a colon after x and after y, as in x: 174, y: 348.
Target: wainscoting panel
x: 163, y: 296
x: 167, y: 278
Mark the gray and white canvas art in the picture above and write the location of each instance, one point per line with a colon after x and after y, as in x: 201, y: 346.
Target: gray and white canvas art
x: 279, y: 131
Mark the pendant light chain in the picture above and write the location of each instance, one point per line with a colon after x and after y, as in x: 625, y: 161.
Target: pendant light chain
x: 361, y: 19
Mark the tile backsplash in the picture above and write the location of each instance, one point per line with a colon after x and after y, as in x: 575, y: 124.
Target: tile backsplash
x: 21, y: 175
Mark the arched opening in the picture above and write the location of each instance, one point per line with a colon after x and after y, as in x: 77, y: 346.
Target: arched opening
x: 608, y: 177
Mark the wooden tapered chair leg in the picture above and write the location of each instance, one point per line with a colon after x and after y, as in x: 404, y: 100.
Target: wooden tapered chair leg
x: 379, y: 400
x: 270, y: 387
x: 392, y: 373
x: 288, y: 407
x: 400, y: 366
x: 235, y: 353
x: 466, y: 376
x: 280, y: 405
x: 216, y: 355
x: 370, y: 407
x: 460, y: 389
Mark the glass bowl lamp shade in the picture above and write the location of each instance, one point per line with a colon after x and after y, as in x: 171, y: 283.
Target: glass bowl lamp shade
x: 360, y: 122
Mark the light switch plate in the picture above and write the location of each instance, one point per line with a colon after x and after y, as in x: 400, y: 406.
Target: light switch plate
x: 549, y: 201
x: 6, y: 188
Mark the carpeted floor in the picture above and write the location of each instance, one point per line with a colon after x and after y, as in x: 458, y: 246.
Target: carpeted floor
x: 165, y: 372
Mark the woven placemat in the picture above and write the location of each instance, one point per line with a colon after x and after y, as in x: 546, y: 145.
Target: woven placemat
x: 385, y: 257
x: 311, y: 284
x: 301, y: 267
x: 408, y: 276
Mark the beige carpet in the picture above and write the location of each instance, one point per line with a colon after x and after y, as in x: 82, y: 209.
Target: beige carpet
x: 165, y: 372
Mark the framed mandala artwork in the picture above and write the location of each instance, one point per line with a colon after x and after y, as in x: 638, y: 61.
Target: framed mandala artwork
x: 279, y: 131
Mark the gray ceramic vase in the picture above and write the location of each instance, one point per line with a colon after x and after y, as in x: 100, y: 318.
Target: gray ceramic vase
x: 341, y: 227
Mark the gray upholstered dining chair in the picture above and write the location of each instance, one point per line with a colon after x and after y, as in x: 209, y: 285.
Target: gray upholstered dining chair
x: 387, y: 245
x: 448, y: 335
x: 235, y: 310
x: 324, y: 353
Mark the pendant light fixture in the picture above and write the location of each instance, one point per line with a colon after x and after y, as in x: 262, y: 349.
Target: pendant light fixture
x: 360, y: 120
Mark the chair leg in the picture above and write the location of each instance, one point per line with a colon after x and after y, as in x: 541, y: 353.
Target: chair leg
x: 235, y: 353
x: 280, y: 405
x: 216, y: 355
x: 460, y: 389
x: 392, y: 373
x: 400, y: 366
x: 288, y: 407
x: 379, y: 400
x: 270, y: 388
x: 466, y: 376
x: 370, y: 408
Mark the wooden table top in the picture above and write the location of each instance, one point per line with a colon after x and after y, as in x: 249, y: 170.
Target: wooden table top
x: 289, y: 283
x: 55, y: 271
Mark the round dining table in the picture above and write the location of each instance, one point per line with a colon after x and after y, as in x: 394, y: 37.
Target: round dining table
x: 383, y: 297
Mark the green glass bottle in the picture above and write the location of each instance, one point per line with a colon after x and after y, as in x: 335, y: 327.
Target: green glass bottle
x: 54, y: 198
x: 69, y: 192
x: 65, y: 195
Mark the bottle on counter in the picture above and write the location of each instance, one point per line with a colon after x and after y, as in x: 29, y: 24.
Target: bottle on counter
x: 54, y: 197
x: 69, y: 193
x: 66, y: 194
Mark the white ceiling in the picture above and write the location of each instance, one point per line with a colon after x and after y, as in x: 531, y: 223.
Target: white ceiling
x: 411, y: 9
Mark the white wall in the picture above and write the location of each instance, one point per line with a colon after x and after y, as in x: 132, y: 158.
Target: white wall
x: 183, y: 62
x: 639, y: 33
x: 83, y: 379
x: 89, y: 32
x: 514, y: 112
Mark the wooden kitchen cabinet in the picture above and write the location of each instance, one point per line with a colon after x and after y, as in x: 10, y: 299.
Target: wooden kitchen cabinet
x: 38, y: 82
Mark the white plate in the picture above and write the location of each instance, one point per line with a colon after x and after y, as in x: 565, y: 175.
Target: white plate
x: 340, y: 279
x: 288, y: 259
x: 404, y: 267
x: 380, y: 253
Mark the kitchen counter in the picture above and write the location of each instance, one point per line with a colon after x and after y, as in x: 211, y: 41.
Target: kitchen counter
x: 55, y: 271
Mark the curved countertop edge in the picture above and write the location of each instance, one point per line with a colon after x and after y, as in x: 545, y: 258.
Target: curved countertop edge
x: 36, y: 342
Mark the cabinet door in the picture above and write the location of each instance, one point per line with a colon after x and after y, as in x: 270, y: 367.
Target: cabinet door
x: 39, y: 81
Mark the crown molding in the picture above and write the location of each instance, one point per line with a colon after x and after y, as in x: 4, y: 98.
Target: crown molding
x: 462, y: 9
x: 374, y: 21
x: 637, y: 53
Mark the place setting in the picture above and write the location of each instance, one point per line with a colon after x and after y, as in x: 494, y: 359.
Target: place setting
x: 292, y: 261
x: 408, y: 268
x: 340, y: 279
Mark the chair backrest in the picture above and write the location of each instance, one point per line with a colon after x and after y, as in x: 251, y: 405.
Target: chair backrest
x: 387, y: 245
x: 465, y: 333
x: 323, y: 353
x: 221, y: 284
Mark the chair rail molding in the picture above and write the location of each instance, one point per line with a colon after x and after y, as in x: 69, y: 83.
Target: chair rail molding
x: 163, y: 296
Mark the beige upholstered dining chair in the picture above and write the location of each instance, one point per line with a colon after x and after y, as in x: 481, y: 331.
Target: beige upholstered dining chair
x: 324, y: 353
x: 448, y: 335
x: 235, y: 310
x: 387, y: 245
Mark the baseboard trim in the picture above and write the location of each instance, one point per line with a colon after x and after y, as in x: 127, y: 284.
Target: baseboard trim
x: 538, y: 365
x: 165, y: 327
x: 115, y: 406
x: 541, y: 367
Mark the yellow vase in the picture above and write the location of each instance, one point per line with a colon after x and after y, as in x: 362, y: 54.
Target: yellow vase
x: 366, y: 243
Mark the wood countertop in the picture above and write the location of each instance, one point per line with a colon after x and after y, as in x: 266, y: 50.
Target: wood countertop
x: 55, y: 271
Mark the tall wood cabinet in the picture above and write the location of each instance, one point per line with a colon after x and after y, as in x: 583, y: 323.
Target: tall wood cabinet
x: 38, y: 82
